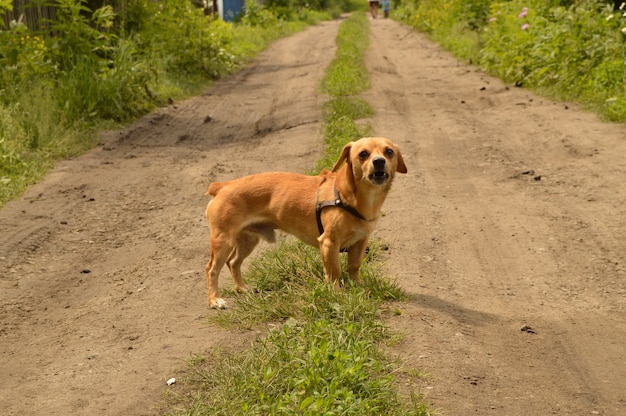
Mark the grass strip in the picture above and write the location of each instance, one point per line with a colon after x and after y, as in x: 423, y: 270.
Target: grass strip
x: 345, y: 78
x: 347, y: 75
x: 321, y: 353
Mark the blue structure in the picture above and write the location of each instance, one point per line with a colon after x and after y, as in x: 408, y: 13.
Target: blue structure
x: 230, y: 9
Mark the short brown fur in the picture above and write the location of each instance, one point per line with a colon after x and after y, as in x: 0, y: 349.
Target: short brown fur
x: 247, y: 209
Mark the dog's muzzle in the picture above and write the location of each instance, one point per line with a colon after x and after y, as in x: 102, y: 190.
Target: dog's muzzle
x: 379, y: 176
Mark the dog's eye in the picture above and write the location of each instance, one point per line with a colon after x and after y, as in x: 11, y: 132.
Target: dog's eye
x: 389, y: 152
x: 363, y: 155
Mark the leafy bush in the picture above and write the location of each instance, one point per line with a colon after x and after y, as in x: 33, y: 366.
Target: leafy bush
x: 565, y: 49
x: 78, y: 36
x: 91, y: 72
x: 115, y: 64
x: 571, y: 53
x: 115, y: 88
x: 22, y: 58
x: 187, y: 42
x: 453, y: 23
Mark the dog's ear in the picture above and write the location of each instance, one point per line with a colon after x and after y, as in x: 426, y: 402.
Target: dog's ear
x: 401, y: 168
x: 345, y: 156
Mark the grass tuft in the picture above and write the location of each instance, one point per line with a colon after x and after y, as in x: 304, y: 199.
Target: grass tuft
x: 288, y: 281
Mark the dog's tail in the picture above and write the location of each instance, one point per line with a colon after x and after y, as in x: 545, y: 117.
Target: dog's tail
x: 214, y: 188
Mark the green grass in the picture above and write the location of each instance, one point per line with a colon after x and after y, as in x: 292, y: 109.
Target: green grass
x: 33, y: 137
x: 321, y: 349
x: 283, y: 277
x: 347, y: 74
x: 340, y: 114
x: 301, y: 368
x: 321, y: 353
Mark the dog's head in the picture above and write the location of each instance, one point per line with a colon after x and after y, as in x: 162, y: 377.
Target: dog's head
x: 373, y: 160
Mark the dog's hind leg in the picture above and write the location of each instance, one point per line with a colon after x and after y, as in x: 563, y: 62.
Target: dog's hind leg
x: 245, y: 244
x: 221, y: 249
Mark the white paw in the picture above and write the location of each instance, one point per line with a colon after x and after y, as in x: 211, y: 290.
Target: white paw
x: 218, y: 303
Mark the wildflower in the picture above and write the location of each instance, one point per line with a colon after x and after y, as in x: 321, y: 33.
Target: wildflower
x: 621, y: 6
x: 493, y: 19
x: 522, y: 14
x: 525, y: 26
x: 624, y: 30
x: 609, y: 17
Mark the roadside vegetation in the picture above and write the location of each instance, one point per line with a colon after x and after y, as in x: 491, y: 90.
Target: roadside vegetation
x: 93, y: 69
x: 321, y: 352
x: 565, y: 49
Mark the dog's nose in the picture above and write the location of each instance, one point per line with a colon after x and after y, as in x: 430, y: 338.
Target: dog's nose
x: 379, y: 162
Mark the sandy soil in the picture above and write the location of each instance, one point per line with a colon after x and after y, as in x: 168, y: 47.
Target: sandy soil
x: 508, y: 230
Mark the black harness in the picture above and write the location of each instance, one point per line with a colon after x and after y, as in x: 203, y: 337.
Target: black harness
x: 337, y: 202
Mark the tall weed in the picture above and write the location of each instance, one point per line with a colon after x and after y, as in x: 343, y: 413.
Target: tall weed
x: 78, y: 35
x: 452, y: 23
x: 93, y: 88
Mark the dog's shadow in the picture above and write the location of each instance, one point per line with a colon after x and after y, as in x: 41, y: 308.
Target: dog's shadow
x: 454, y: 310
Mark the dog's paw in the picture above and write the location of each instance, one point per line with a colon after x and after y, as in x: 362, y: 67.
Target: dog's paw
x: 218, y: 303
x: 241, y: 288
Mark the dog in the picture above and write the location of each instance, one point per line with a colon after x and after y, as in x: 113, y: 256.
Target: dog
x: 334, y: 210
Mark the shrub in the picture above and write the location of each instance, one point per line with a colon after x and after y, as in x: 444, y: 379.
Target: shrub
x: 572, y: 53
x: 113, y: 64
x: 564, y: 49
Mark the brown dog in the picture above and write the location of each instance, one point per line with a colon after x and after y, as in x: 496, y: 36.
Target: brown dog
x: 331, y: 211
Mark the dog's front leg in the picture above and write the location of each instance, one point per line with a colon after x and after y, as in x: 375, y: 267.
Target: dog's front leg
x: 355, y: 257
x: 330, y: 258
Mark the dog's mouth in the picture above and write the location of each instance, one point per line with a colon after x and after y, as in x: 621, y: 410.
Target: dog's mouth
x: 379, y: 178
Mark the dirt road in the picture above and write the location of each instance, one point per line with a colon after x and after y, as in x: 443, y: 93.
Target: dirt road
x: 509, y: 230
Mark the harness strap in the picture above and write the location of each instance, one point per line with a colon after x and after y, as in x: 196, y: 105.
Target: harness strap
x: 337, y: 202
